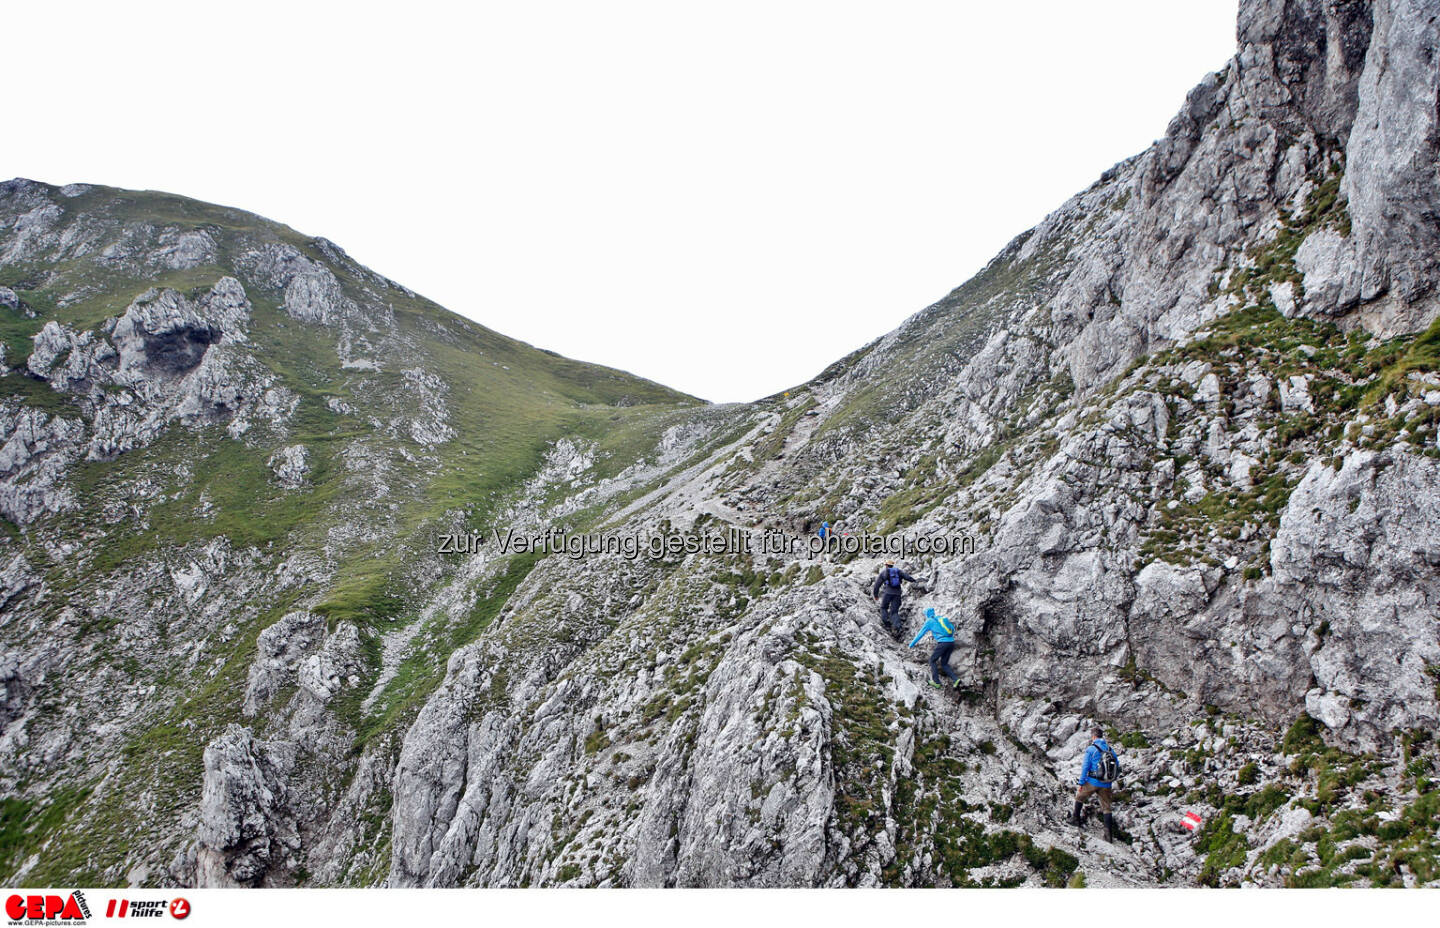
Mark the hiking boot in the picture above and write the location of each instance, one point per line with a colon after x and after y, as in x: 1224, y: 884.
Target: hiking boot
x: 1109, y: 827
x: 955, y: 686
x: 935, y: 683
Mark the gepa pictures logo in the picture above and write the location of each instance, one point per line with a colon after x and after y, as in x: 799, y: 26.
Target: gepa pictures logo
x: 34, y: 908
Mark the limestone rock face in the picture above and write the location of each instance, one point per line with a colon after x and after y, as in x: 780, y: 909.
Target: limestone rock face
x: 243, y: 802
x: 161, y: 337
x: 280, y: 649
x: 1359, y: 546
x: 164, y: 358
x: 1390, y: 182
x: 290, y: 466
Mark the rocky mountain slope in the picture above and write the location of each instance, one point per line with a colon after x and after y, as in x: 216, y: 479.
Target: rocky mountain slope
x: 1189, y: 423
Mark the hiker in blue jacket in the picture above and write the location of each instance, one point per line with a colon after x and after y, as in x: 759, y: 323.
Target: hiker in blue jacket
x: 824, y: 530
x: 943, y: 630
x: 888, y: 581
x: 1093, y: 769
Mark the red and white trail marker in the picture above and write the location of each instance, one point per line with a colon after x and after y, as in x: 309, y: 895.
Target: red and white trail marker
x: 1191, y: 821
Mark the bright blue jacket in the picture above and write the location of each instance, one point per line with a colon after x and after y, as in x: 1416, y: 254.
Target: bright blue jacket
x: 1092, y: 761
x: 938, y: 625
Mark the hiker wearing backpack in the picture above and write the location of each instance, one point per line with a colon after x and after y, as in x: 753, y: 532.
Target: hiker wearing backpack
x: 943, y: 630
x: 1098, y: 773
x: 886, y: 591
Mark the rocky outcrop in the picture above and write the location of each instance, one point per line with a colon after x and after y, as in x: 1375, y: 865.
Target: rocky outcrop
x: 1358, y: 548
x: 280, y: 649
x: 37, y: 448
x: 1390, y: 191
x: 290, y: 465
x: 164, y: 358
x: 311, y: 292
x: 160, y: 338
x: 243, y: 829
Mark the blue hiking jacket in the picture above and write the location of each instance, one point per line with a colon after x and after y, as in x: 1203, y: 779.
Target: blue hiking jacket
x: 1092, y: 761
x: 883, y: 580
x: 938, y: 625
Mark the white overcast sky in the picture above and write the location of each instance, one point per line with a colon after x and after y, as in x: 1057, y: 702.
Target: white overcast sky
x: 723, y: 197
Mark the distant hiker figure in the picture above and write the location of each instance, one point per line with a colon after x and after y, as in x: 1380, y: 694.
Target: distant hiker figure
x: 824, y: 530
x: 886, y: 591
x: 1098, y: 773
x: 943, y: 631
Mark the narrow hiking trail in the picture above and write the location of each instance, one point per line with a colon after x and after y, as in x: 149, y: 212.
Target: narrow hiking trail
x: 697, y: 491
x: 1039, y: 789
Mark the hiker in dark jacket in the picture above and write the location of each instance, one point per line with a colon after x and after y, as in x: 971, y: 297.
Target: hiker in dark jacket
x: 886, y: 591
x: 1090, y: 783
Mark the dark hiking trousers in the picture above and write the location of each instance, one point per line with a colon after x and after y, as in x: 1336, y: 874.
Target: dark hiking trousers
x: 890, y: 610
x: 940, y: 662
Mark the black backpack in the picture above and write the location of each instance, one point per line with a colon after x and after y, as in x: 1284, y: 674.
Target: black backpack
x: 1107, y: 767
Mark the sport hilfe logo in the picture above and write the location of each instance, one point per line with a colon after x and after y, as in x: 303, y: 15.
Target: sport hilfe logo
x: 140, y: 908
x: 147, y: 908
x: 36, y: 908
